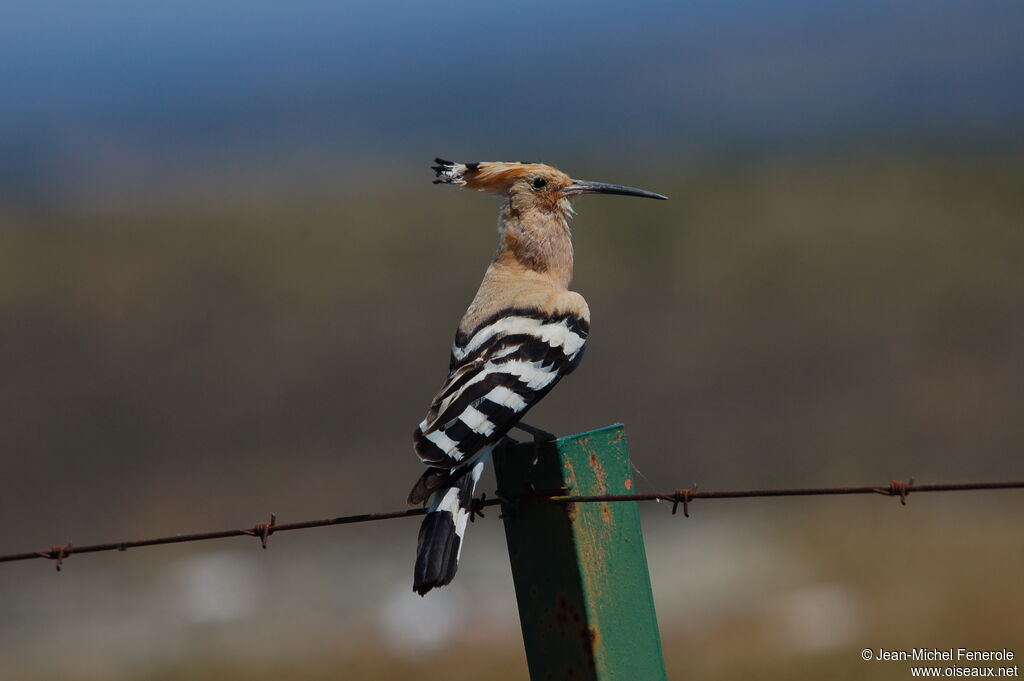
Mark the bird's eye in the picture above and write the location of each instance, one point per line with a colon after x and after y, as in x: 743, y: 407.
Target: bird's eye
x: 539, y: 183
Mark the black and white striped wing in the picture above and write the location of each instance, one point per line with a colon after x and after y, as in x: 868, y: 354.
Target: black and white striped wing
x: 498, y: 371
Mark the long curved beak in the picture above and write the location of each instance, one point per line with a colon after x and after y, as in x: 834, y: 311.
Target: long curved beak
x: 585, y: 187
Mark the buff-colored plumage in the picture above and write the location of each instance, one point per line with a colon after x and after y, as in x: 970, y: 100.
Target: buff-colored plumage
x: 534, y: 262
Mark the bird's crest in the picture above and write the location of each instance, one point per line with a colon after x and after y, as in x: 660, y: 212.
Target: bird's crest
x: 486, y: 176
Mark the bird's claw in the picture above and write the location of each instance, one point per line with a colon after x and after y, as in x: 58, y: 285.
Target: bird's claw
x: 540, y: 436
x: 476, y: 507
x: 508, y: 506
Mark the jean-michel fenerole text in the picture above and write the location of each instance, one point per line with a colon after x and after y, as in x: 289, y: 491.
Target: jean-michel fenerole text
x: 950, y: 654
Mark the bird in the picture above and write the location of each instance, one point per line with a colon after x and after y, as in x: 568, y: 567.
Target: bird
x: 523, y: 332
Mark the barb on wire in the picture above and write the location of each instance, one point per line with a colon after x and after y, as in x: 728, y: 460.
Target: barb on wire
x: 899, y: 489
x: 684, y: 496
x: 57, y: 554
x: 262, y: 531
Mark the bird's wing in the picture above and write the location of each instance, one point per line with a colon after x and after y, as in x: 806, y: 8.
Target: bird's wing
x: 499, y: 370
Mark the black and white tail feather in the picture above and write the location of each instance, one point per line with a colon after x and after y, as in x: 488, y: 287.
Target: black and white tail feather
x: 440, y: 539
x: 498, y: 371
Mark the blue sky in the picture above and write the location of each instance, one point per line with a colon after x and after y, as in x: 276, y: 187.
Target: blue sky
x: 188, y: 80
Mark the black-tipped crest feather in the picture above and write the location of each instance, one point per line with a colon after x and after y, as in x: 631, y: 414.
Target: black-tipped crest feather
x: 450, y: 172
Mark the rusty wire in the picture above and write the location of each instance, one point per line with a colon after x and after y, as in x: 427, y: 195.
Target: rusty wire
x: 262, y: 531
x: 895, y: 488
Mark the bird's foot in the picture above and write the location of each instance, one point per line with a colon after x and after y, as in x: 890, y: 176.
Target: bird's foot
x: 540, y: 437
x: 509, y: 505
x: 476, y: 507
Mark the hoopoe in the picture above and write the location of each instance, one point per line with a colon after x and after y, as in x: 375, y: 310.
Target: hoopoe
x: 522, y: 333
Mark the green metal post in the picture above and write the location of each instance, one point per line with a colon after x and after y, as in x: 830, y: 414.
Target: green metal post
x: 580, y: 570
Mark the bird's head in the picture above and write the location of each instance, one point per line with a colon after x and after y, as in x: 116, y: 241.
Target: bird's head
x: 533, y: 225
x: 528, y: 186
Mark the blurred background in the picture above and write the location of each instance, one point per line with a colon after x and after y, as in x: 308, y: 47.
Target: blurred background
x: 227, y: 287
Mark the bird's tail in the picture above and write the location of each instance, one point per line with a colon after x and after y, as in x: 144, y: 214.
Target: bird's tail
x: 440, y: 541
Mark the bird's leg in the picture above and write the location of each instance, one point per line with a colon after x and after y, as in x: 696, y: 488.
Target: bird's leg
x: 509, y: 505
x: 540, y: 436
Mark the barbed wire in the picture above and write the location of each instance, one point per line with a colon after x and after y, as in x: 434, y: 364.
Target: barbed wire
x: 262, y: 531
x: 895, y: 488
